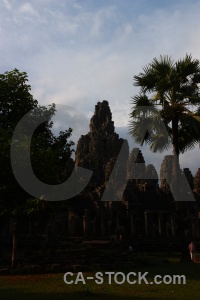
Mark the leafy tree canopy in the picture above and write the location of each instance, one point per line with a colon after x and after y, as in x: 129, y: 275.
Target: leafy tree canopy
x: 49, y: 153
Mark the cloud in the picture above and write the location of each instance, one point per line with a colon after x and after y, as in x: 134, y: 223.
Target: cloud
x: 69, y: 117
x: 27, y: 8
x: 77, y: 5
x: 101, y: 21
x: 77, y: 53
x: 7, y: 4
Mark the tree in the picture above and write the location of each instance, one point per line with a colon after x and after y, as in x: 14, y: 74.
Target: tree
x: 49, y: 153
x: 170, y: 88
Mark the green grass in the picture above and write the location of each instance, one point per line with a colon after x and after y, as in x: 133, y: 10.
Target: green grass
x: 52, y: 286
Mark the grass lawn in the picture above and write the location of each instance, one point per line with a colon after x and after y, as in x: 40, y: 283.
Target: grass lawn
x: 52, y: 286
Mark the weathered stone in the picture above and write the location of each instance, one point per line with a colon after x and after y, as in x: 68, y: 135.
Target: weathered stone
x: 197, y: 181
x: 151, y: 177
x: 144, y: 209
x: 99, y: 149
x: 136, y: 169
x: 101, y: 122
x: 166, y: 177
x: 136, y: 165
x: 187, y: 173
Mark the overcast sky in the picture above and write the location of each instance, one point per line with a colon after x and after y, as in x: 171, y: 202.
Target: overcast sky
x: 77, y: 53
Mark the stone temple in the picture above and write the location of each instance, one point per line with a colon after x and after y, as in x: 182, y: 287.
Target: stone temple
x: 124, y: 198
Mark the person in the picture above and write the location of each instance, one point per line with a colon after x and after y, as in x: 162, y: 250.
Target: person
x: 192, y: 249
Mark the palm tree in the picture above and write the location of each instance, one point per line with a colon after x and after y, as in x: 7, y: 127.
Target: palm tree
x: 169, y: 92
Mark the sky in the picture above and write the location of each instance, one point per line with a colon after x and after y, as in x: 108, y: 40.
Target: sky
x: 77, y: 53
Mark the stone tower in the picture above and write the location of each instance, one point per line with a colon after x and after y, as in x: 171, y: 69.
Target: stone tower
x: 136, y: 165
x: 187, y: 173
x: 141, y: 176
x: 151, y: 177
x: 197, y: 182
x: 98, y: 150
x: 166, y: 176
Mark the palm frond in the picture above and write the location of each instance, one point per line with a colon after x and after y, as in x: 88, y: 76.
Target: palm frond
x: 187, y: 66
x: 162, y: 66
x: 173, y: 86
x: 148, y: 127
x: 191, y: 121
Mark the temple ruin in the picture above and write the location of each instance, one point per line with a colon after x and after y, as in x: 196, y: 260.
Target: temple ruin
x: 136, y: 207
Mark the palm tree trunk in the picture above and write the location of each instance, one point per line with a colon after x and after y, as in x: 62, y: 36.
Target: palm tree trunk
x: 176, y: 167
x: 14, y: 245
x: 1, y: 235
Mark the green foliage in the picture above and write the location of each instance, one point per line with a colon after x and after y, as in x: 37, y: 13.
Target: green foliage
x: 49, y: 153
x: 170, y: 89
x: 15, y: 98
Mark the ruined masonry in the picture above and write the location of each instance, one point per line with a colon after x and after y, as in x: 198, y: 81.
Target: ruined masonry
x: 142, y: 209
x: 98, y: 150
